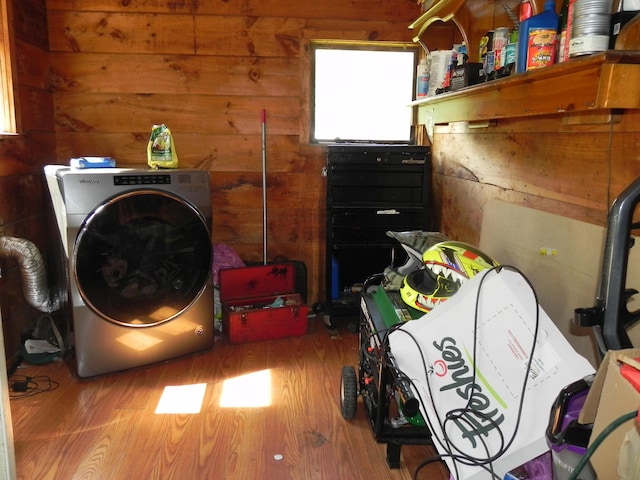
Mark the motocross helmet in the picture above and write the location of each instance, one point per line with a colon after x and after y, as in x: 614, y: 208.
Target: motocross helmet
x: 446, y: 266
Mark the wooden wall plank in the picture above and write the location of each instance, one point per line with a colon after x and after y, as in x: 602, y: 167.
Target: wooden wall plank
x: 120, y: 33
x: 533, y: 163
x: 30, y: 22
x: 184, y: 74
x: 241, y: 36
x: 203, y: 114
x: 36, y: 108
x: 214, y: 152
x: 365, y: 30
x: 352, y: 10
x: 32, y: 65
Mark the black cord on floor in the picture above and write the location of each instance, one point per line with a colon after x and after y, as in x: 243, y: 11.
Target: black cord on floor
x: 21, y: 386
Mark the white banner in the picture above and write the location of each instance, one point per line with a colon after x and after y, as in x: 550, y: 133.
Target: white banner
x: 469, y: 368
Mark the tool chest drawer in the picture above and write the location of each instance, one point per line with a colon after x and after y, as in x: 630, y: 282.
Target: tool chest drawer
x: 370, y: 226
x: 377, y: 176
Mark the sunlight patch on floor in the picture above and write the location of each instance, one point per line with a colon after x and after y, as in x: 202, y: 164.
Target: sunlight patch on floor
x: 181, y: 399
x: 247, y: 391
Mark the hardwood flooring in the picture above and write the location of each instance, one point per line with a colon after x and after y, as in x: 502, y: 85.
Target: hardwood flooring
x: 106, y: 428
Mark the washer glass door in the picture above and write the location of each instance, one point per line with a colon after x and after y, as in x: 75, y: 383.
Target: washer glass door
x: 142, y: 258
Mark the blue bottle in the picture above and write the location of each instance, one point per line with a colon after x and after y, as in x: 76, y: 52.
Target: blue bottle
x: 543, y: 25
x: 335, y: 279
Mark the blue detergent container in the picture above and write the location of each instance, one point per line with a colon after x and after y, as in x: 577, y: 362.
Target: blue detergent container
x: 546, y: 21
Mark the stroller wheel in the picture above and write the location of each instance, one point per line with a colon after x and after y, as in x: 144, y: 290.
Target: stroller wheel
x: 349, y: 393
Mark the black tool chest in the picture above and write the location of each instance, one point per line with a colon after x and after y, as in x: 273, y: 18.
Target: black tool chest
x: 371, y: 189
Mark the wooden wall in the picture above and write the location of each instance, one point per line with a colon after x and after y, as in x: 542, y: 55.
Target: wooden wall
x: 543, y: 163
x: 107, y: 71
x: 207, y: 69
x: 22, y: 203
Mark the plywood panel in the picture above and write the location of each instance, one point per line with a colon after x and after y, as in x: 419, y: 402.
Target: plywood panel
x: 567, y: 276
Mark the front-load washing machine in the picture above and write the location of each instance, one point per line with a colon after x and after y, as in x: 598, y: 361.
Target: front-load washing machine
x: 138, y: 253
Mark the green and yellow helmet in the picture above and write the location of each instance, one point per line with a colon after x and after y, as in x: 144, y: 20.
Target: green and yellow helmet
x: 446, y: 266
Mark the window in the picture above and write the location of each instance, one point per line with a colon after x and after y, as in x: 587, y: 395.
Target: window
x: 7, y: 108
x: 361, y: 91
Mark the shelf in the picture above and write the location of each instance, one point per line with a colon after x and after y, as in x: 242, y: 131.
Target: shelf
x: 603, y: 81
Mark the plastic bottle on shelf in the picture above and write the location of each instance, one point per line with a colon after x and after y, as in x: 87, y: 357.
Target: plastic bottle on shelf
x: 422, y: 78
x: 525, y: 11
x: 537, y: 39
x: 564, y: 33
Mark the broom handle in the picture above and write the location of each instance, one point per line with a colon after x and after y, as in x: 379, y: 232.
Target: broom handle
x: 263, y: 121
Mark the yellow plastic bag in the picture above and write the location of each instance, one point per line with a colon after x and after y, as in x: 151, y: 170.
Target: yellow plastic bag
x: 161, y: 151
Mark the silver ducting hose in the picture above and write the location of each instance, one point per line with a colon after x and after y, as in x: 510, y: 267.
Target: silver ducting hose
x: 34, y: 275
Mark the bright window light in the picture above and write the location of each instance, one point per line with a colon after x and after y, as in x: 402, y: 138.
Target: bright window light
x: 362, y: 94
x: 182, y: 399
x: 7, y: 101
x: 247, y: 391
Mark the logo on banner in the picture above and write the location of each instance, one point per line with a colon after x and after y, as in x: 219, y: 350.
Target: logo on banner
x: 480, y: 415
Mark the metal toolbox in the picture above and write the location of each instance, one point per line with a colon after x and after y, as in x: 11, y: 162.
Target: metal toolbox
x: 260, y: 303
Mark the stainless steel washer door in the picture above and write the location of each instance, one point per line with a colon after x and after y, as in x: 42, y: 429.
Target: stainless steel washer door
x: 142, y: 258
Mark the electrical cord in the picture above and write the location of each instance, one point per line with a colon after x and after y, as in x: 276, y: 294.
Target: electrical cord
x: 599, y: 439
x: 459, y: 414
x: 21, y: 386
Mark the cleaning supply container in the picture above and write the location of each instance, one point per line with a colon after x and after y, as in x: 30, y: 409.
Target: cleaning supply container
x: 590, y: 27
x: 537, y: 39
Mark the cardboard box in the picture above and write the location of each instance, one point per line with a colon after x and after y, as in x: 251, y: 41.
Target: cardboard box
x: 610, y: 397
x: 259, y: 303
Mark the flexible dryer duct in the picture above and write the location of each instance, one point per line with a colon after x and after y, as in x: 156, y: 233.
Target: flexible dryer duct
x: 34, y: 276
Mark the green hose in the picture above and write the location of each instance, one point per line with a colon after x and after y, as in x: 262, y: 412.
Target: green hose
x: 600, y: 438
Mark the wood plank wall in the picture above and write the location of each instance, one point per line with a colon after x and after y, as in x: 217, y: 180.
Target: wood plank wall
x: 543, y: 163
x: 206, y: 69
x: 22, y: 203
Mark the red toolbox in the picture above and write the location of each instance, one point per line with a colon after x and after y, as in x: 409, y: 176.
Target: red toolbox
x: 260, y: 303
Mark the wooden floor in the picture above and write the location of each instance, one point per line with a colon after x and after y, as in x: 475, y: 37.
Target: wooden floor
x: 106, y: 427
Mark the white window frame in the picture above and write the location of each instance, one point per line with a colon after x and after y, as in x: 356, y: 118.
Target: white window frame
x: 373, y: 101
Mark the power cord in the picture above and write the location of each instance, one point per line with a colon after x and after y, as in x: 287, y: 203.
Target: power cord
x: 21, y: 386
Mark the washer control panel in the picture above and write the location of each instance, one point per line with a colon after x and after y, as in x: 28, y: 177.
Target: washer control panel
x: 142, y: 179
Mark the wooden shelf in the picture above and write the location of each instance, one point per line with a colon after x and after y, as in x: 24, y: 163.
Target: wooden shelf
x: 607, y: 80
